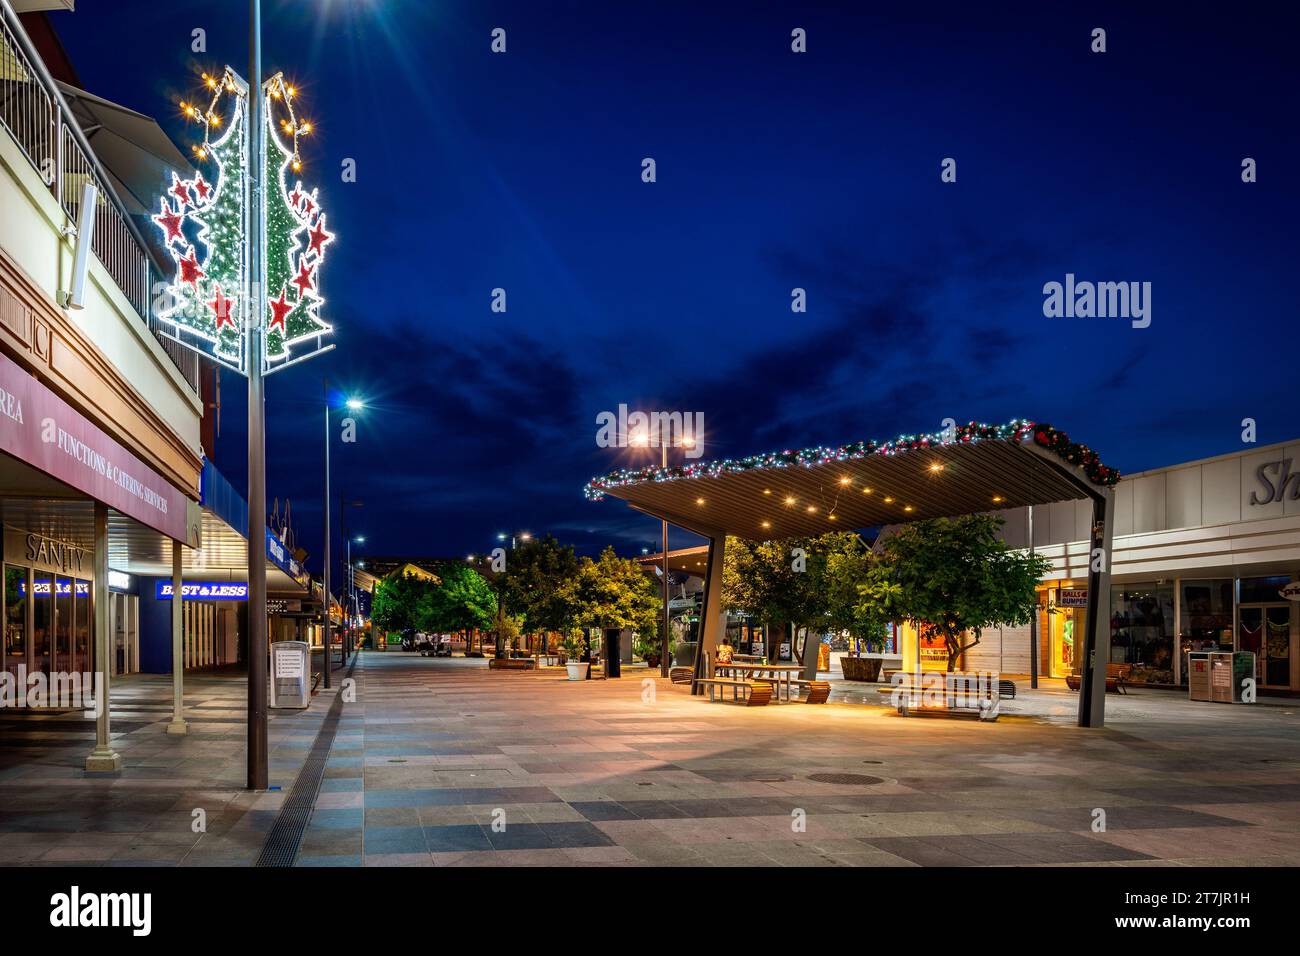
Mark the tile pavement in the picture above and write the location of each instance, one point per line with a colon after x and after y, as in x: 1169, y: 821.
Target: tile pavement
x: 437, y: 755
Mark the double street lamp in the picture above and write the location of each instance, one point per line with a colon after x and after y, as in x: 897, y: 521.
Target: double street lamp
x: 687, y: 442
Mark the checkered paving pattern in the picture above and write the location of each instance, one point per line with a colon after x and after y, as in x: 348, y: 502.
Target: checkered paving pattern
x: 443, y: 763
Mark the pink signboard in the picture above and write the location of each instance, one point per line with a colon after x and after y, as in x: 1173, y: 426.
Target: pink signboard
x: 38, y: 427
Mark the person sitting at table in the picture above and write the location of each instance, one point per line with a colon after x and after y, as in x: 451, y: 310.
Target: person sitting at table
x: 725, y: 651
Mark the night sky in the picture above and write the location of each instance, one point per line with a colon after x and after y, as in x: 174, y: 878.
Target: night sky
x: 775, y: 170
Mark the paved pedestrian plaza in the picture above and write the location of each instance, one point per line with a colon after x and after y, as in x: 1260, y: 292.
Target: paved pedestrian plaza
x: 442, y: 763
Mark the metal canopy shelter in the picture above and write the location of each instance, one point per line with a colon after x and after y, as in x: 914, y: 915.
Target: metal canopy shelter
x: 968, y: 469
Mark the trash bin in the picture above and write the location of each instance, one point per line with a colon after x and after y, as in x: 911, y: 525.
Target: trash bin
x: 1198, y: 675
x: 291, y: 674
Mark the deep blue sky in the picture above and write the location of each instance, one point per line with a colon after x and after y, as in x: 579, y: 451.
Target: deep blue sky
x: 775, y: 170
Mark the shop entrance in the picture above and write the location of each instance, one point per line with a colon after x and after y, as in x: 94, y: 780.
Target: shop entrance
x: 47, y: 622
x: 1268, y: 631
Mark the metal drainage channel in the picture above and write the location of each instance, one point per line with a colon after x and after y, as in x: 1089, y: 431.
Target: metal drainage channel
x: 281, y: 847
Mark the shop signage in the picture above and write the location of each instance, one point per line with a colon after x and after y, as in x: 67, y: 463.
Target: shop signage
x: 1276, y: 483
x: 38, y: 427
x: 1291, y: 592
x: 1072, y: 597
x: 48, y: 554
x: 42, y: 587
x: 205, y: 590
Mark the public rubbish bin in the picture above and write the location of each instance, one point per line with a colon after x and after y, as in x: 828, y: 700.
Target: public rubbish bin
x: 1219, y: 676
x: 1198, y: 675
x: 291, y: 674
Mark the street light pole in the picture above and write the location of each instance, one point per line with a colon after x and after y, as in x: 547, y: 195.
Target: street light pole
x: 325, y: 575
x: 665, y: 658
x: 257, y: 646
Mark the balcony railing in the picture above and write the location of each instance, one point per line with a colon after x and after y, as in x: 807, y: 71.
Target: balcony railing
x: 38, y: 119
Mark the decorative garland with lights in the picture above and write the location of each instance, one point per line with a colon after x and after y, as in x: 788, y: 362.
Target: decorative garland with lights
x: 1017, y: 430
x: 208, y: 296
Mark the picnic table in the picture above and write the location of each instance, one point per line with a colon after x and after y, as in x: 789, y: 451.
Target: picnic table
x: 780, y: 675
x: 746, y: 658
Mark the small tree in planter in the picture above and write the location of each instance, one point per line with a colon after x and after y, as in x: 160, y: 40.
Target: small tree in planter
x: 612, y: 594
x: 574, y: 645
x: 956, y: 575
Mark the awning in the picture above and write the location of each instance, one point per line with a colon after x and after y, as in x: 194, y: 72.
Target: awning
x: 973, y: 468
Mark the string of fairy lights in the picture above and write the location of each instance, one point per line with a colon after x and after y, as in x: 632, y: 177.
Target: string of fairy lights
x: 1017, y: 430
x: 279, y: 91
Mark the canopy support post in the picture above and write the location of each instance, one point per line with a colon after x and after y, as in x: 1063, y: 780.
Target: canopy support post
x: 713, y: 616
x: 1096, y: 646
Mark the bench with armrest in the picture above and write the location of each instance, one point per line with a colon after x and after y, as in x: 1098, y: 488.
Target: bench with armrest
x: 754, y: 693
x: 1117, y: 677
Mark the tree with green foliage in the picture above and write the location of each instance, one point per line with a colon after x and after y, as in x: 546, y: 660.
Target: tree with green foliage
x: 956, y: 575
x: 533, y: 584
x: 463, y: 602
x: 612, y: 593
x: 846, y: 568
x: 404, y: 604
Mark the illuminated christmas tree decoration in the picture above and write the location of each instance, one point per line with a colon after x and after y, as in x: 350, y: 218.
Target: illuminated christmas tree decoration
x: 204, y: 226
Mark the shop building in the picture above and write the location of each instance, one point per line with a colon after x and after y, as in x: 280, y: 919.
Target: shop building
x: 1202, y: 554
x: 100, y: 450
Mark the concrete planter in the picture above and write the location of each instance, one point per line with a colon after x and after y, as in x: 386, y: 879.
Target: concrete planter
x: 577, y: 670
x: 861, y: 668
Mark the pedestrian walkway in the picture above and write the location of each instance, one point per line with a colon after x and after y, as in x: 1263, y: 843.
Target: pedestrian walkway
x: 52, y: 812
x: 444, y: 763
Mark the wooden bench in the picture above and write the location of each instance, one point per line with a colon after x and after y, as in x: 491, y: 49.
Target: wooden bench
x: 511, y: 664
x: 1117, y: 676
x: 754, y: 693
x: 818, y: 690
x: 681, y: 675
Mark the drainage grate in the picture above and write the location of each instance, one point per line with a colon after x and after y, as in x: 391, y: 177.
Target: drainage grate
x: 859, y: 779
x: 281, y: 847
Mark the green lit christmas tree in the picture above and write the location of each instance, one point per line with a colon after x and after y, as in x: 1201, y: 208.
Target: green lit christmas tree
x: 205, y: 230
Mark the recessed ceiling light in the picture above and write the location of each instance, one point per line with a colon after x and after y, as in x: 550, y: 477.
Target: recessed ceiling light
x: 888, y: 500
x: 767, y: 524
x: 832, y: 517
x: 699, y: 501
x: 997, y: 499
x: 907, y: 507
x: 866, y: 491
x: 767, y: 491
x: 789, y: 501
x: 812, y: 509
x: 936, y: 466
x: 846, y: 481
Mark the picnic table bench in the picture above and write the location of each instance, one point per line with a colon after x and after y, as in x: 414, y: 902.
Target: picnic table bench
x: 945, y: 693
x: 754, y: 693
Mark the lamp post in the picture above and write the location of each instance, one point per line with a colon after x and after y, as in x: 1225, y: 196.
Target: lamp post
x: 350, y: 605
x: 501, y: 590
x: 258, y: 769
x: 642, y: 440
x: 353, y: 404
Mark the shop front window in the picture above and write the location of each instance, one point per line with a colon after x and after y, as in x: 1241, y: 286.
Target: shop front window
x: 1205, y: 614
x: 1142, y: 631
x: 15, y: 622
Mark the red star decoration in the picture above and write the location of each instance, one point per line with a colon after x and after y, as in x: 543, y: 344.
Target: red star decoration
x: 169, y: 221
x: 303, y: 279
x: 222, y: 307
x: 295, y: 197
x: 311, y: 206
x: 280, y: 309
x: 180, y: 190
x: 319, y: 237
x: 201, y: 187
x: 190, y: 271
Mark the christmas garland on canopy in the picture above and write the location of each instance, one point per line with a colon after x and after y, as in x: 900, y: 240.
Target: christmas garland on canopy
x: 1017, y: 430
